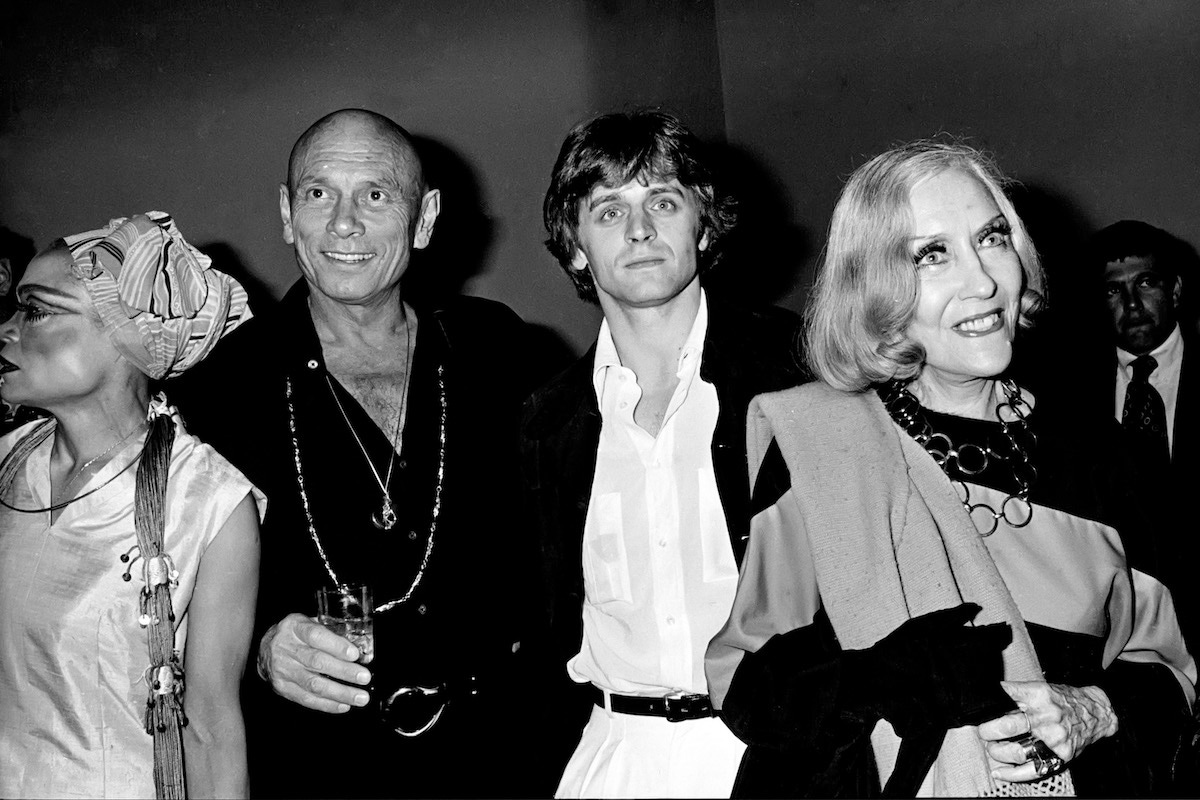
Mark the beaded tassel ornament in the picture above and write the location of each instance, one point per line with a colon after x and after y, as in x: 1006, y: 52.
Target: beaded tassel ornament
x: 165, y: 717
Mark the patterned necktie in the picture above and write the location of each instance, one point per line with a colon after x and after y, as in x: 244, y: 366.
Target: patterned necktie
x: 1144, y: 410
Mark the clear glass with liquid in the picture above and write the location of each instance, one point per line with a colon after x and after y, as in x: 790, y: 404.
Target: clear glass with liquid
x: 347, y: 612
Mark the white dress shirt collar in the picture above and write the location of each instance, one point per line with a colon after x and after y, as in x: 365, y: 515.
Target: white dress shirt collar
x: 1167, y: 354
x: 689, y: 356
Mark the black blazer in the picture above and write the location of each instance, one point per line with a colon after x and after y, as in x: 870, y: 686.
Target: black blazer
x: 745, y: 354
x: 1178, y: 549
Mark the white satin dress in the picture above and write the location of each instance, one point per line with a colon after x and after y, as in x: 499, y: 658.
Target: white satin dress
x: 72, y: 654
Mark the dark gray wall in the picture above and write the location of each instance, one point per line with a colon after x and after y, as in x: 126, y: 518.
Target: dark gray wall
x: 111, y: 108
x: 114, y: 108
x: 1094, y: 106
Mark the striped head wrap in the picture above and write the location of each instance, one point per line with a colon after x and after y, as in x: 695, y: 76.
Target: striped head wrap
x: 158, y: 298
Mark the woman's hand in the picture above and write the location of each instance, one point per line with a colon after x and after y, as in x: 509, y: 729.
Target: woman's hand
x: 1066, y: 718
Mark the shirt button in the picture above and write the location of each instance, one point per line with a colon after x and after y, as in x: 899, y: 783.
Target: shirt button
x: 421, y: 609
x: 402, y: 463
x: 412, y: 536
x: 670, y: 620
x: 624, y: 404
x: 312, y: 363
x: 662, y: 542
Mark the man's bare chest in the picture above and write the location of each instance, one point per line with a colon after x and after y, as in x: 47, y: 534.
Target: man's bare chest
x: 378, y: 387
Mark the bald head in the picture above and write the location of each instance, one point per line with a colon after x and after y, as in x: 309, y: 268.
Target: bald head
x: 355, y: 206
x: 357, y: 123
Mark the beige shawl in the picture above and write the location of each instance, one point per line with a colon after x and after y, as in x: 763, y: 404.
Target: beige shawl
x: 890, y: 541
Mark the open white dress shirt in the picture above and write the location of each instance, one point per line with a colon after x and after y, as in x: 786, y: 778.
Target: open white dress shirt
x: 659, y: 578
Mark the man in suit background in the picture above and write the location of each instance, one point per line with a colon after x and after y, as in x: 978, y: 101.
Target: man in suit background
x: 1143, y: 289
x: 1153, y: 381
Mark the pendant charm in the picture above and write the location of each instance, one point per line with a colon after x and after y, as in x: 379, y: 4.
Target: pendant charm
x: 385, y: 520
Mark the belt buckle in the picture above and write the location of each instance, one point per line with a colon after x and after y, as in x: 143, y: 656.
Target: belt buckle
x: 389, y: 707
x: 684, y: 707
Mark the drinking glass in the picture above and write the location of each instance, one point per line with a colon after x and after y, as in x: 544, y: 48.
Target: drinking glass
x: 347, y: 612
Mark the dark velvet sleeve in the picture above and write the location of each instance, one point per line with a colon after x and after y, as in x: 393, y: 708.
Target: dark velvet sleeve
x: 785, y: 694
x: 1150, y: 755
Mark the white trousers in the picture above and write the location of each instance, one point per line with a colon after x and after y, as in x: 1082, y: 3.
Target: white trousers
x: 623, y: 755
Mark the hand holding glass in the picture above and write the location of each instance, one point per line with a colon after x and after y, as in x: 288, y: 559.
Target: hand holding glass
x: 347, y: 612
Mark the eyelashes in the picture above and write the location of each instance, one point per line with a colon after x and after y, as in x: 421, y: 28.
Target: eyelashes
x: 1000, y: 230
x: 32, y: 313
x: 931, y: 247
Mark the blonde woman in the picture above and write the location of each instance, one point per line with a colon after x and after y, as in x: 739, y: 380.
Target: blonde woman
x: 944, y: 591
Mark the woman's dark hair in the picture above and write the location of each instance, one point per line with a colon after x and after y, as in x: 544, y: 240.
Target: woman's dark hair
x: 614, y: 149
x: 1132, y: 238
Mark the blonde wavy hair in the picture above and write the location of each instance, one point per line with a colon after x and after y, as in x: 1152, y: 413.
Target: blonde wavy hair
x: 866, y: 289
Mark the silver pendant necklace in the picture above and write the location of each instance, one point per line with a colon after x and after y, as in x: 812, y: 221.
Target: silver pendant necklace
x: 437, y: 495
x: 385, y: 520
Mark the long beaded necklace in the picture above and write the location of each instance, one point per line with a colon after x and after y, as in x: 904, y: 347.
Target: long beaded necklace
x: 971, y: 459
x: 437, y: 496
x: 385, y: 520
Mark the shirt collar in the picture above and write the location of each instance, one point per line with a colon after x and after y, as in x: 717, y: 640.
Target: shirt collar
x: 689, y: 356
x: 1166, y: 354
x: 294, y: 335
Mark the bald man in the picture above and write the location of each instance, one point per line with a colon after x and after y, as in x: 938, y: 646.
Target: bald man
x: 384, y: 435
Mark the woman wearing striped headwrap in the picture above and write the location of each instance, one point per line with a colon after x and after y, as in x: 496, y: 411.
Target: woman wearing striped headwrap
x: 122, y: 537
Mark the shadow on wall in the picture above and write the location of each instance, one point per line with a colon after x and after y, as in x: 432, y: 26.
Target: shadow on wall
x: 16, y: 251
x: 226, y: 259
x: 1070, y: 340
x: 767, y: 255
x: 463, y: 234
x: 461, y: 246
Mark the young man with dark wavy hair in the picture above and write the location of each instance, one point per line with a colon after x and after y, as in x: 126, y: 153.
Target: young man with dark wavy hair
x: 635, y: 457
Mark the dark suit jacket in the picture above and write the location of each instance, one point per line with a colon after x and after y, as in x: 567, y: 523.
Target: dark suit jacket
x: 745, y: 353
x: 1178, y: 550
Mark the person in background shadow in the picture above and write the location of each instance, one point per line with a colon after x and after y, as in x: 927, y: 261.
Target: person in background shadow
x: 1150, y: 379
x: 15, y: 253
x: 634, y: 460
x: 385, y: 437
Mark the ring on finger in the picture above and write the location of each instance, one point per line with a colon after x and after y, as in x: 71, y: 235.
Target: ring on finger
x: 1048, y: 762
x: 1028, y: 745
x: 1045, y: 761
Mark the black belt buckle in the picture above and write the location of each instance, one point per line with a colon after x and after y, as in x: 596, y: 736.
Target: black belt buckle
x: 686, y: 707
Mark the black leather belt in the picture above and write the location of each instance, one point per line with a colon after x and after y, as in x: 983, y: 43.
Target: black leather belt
x: 675, y: 709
